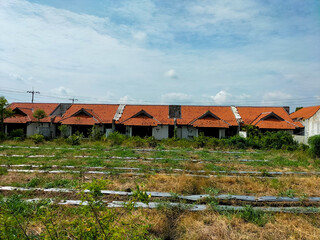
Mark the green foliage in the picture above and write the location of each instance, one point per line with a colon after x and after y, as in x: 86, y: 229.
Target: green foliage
x: 200, y: 141
x: 257, y: 217
x: 17, y: 134
x: 4, y: 113
x: 116, y: 138
x: 64, y: 130
x: 314, y: 143
x: 252, y: 131
x: 75, y: 139
x: 37, y: 138
x: 278, y: 140
x: 288, y: 193
x: 34, y: 182
x: 3, y: 171
x: 92, y: 220
x: 39, y: 114
x: 95, y: 133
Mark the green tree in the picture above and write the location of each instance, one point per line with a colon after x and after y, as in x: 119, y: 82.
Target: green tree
x: 39, y: 114
x: 4, y: 112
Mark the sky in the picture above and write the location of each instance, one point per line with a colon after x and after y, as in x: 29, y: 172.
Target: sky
x: 217, y: 52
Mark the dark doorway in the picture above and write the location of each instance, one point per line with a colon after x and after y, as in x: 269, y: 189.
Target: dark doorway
x: 13, y: 126
x: 141, y: 131
x: 209, y: 132
x: 84, y: 129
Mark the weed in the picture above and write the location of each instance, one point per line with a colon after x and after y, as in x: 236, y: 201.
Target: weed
x: 258, y: 217
x: 3, y: 171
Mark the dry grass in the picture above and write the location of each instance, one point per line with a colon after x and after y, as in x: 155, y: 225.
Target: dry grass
x: 214, y: 226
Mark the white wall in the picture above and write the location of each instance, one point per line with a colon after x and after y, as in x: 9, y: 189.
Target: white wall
x: 188, y: 132
x: 35, y: 128
x: 312, y: 125
x: 160, y: 132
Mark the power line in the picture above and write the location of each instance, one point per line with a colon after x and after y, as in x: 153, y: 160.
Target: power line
x: 32, y: 92
x: 73, y: 99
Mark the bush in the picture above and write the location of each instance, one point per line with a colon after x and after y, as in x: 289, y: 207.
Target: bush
x: 95, y: 133
x: 254, y: 216
x: 116, y: 138
x: 201, y: 140
x: 314, y: 143
x: 278, y: 140
x: 75, y: 139
x: 237, y: 142
x: 152, y: 142
x: 17, y: 133
x: 63, y: 131
x: 37, y: 138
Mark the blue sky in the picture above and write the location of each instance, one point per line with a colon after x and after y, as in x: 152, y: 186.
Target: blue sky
x: 218, y: 52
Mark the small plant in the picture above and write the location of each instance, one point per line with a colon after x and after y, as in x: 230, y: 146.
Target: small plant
x: 314, y: 143
x: 258, y: 217
x: 3, y: 171
x: 37, y: 138
x: 64, y: 129
x: 95, y: 133
x: 289, y: 193
x: 116, y: 138
x: 75, y: 139
x: 17, y: 133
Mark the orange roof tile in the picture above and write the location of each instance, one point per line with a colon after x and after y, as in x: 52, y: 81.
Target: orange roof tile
x: 28, y: 109
x: 305, y: 113
x: 158, y: 114
x: 267, y: 117
x: 191, y: 114
x: 89, y: 114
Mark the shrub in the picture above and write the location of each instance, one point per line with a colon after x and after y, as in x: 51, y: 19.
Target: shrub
x: 63, y: 130
x: 278, y: 140
x: 201, y: 140
x: 116, y: 138
x: 75, y: 139
x: 95, y: 133
x: 314, y: 143
x: 17, y: 133
x: 237, y: 142
x: 254, y: 216
x: 37, y: 138
x: 152, y: 142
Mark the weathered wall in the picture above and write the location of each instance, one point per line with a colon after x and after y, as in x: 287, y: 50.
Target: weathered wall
x: 45, y: 129
x: 188, y: 132
x: 312, y: 125
x: 160, y: 132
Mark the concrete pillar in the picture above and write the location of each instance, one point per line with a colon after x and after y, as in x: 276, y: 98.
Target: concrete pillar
x: 6, y: 129
x: 222, y: 133
x: 129, y: 131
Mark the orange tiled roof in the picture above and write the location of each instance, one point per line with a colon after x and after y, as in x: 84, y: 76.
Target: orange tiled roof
x: 191, y: 115
x: 267, y: 117
x: 88, y: 114
x: 305, y: 113
x: 158, y: 114
x: 25, y: 112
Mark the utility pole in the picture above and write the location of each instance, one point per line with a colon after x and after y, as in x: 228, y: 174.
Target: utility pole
x: 73, y: 99
x: 32, y: 92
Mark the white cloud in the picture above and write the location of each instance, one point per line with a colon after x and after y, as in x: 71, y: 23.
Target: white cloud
x: 276, y: 98
x: 124, y: 100
x: 139, y: 36
x: 171, y: 74
x: 175, y: 97
x: 220, y: 97
x: 62, y: 91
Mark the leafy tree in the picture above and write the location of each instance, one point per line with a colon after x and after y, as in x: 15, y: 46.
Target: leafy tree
x: 39, y: 114
x: 4, y: 112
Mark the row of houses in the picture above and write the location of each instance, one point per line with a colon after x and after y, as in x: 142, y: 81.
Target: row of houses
x: 160, y: 121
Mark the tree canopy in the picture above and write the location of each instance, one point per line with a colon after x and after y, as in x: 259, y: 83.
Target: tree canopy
x: 4, y: 112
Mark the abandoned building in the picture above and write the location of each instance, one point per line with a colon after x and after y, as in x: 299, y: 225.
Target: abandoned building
x: 159, y: 121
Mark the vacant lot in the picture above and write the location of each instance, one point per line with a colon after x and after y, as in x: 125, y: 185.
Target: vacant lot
x: 225, y: 180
